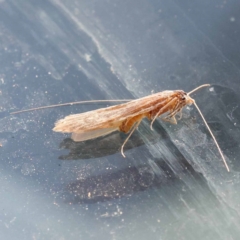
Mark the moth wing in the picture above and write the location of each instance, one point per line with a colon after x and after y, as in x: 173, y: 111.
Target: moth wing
x: 87, y: 135
x: 111, y: 117
x: 86, y: 122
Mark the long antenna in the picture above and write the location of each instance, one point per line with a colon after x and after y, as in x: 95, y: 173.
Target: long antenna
x: 89, y: 101
x: 195, y: 89
x: 209, y: 129
x: 70, y: 103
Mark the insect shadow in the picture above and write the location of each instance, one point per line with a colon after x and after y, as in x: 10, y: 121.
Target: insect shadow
x: 112, y: 185
x: 126, y: 182
x: 110, y: 144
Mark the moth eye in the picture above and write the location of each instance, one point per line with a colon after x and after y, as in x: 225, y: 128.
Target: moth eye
x: 183, y: 98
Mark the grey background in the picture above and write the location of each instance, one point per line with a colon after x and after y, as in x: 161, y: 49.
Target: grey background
x: 173, y: 184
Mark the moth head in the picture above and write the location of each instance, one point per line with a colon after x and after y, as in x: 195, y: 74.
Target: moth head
x: 186, y: 99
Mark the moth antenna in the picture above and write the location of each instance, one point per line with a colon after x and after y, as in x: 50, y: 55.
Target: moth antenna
x: 70, y: 103
x: 129, y: 135
x: 195, y: 89
x: 210, y: 131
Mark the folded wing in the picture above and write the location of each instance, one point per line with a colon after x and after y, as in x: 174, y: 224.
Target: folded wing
x: 111, y: 117
x: 83, y: 136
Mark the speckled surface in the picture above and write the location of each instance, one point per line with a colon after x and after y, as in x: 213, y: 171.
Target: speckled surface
x: 172, y: 184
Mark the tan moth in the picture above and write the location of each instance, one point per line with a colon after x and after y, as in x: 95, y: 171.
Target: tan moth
x: 126, y: 117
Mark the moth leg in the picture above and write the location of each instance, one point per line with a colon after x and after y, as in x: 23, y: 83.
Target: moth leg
x: 162, y: 110
x: 128, y: 124
x: 172, y: 119
x: 129, y: 135
x: 179, y: 115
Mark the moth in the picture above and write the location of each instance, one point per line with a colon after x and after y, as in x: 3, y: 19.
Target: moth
x: 126, y: 117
